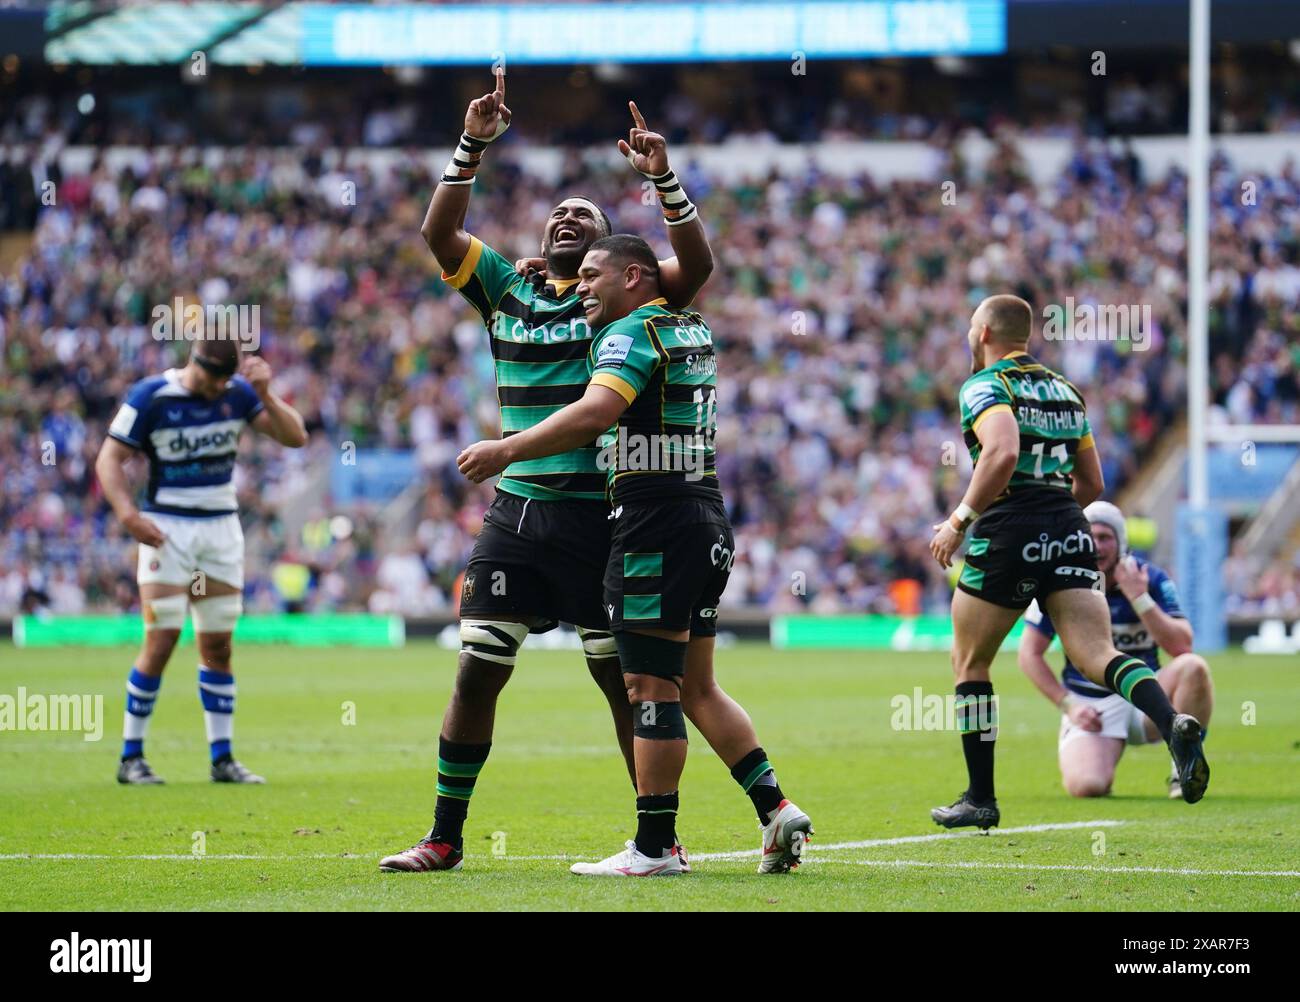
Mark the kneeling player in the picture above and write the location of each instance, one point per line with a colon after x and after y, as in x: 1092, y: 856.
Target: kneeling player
x: 1035, y: 466
x: 1144, y: 618
x: 653, y: 377
x: 187, y: 423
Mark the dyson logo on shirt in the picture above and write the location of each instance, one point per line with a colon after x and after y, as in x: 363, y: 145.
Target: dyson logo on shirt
x: 173, y: 444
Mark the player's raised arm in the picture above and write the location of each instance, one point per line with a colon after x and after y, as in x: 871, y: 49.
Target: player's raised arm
x: 680, y: 277
x: 444, y: 224
x: 1171, y: 632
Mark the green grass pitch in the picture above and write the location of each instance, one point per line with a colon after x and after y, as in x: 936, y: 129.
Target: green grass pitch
x: 340, y: 795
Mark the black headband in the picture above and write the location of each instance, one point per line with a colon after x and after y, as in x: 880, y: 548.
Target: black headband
x: 216, y: 368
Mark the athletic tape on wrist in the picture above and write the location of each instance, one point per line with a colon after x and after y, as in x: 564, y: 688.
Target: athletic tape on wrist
x: 465, y: 161
x: 1143, y: 603
x: 962, y: 517
x: 677, y: 208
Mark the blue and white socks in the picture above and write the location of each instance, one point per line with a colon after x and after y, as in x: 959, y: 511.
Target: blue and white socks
x: 217, y: 691
x: 141, y: 692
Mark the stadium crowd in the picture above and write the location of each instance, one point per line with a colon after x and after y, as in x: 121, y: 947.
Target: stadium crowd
x: 840, y: 306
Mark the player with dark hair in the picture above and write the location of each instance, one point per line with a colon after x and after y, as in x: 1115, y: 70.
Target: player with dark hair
x: 652, y: 396
x: 540, y: 555
x: 187, y: 424
x: 1036, y: 466
x: 1145, y: 617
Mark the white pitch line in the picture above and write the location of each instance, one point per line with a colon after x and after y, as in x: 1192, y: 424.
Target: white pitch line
x: 968, y: 865
x: 811, y: 848
x: 818, y: 848
x: 171, y: 856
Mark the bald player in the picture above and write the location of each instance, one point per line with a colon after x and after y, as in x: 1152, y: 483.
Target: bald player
x: 1036, y: 467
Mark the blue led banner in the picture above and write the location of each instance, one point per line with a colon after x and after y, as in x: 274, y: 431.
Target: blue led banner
x: 354, y: 34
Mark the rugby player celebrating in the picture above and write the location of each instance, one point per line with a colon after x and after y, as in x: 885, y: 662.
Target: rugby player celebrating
x: 187, y: 423
x: 1036, y: 466
x: 1145, y: 617
x: 540, y: 555
x: 653, y: 381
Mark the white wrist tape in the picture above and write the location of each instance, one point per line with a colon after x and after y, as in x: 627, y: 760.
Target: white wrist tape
x: 677, y: 208
x: 469, y: 151
x: 1143, y: 603
x: 963, y: 517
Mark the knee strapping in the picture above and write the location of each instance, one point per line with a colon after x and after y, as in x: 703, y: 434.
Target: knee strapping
x: 658, y: 721
x: 642, y: 654
x: 217, y: 614
x: 497, y: 642
x: 166, y: 613
x: 598, y: 643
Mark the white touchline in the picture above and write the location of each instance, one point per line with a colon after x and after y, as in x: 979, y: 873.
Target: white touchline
x: 179, y: 856
x: 816, y: 847
x: 967, y: 865
x: 812, y: 854
x: 739, y: 854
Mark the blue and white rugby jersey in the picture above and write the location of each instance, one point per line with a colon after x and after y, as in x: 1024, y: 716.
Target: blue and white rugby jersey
x: 190, y: 440
x: 1128, y: 633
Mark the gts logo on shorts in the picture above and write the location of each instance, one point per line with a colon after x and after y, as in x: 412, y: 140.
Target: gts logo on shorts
x: 1096, y: 577
x: 1046, y: 549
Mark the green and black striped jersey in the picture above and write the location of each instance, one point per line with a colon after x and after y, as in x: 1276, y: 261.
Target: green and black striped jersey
x: 663, y: 365
x: 540, y: 338
x: 1049, y: 410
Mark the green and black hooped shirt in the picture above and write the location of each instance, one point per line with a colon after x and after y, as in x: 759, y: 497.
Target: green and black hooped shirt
x: 1050, y: 412
x: 539, y: 342
x: 662, y: 363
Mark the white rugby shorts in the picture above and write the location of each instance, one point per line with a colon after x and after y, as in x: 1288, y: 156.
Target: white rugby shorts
x: 212, y: 546
x: 1119, y: 719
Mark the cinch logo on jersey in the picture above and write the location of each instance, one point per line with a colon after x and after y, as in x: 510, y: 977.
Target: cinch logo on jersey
x: 637, y: 453
x: 576, y: 329
x: 1046, y: 548
x: 75, y: 955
